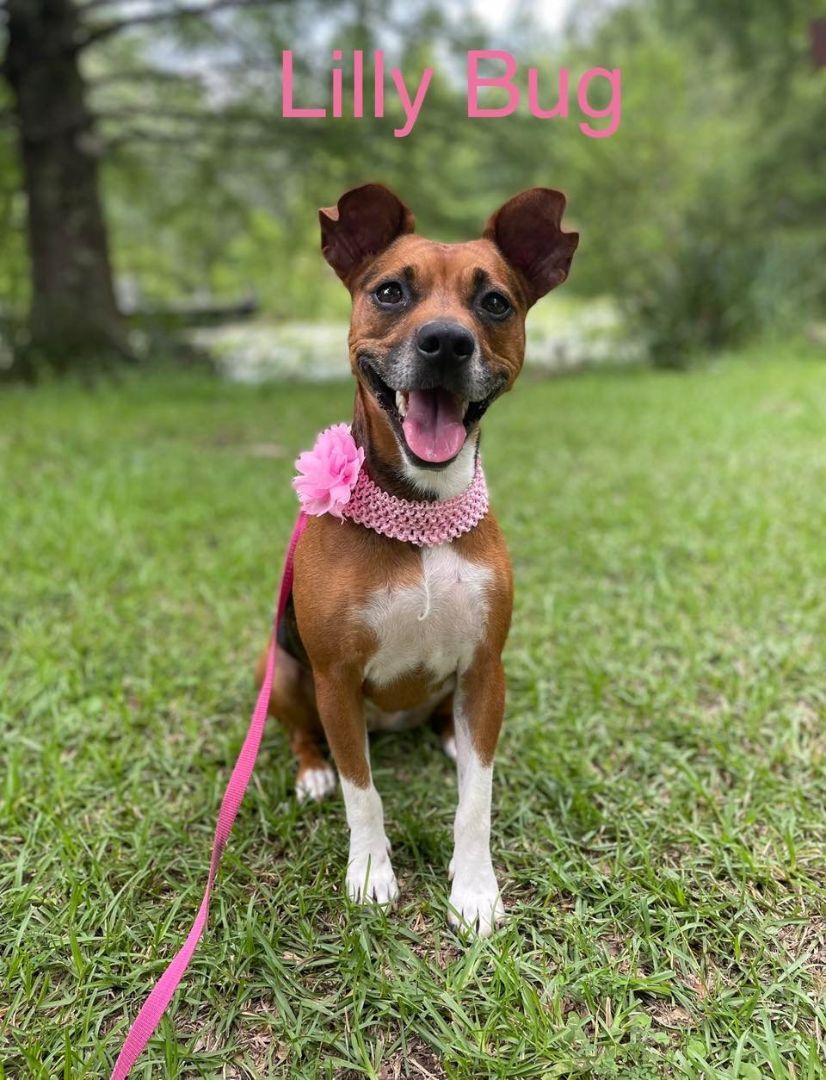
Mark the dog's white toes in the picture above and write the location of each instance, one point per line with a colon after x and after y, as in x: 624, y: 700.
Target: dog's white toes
x: 476, y: 906
x: 315, y: 784
x: 370, y: 879
x: 449, y: 747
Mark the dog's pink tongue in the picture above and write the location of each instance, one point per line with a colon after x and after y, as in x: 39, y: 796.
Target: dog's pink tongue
x: 433, y: 425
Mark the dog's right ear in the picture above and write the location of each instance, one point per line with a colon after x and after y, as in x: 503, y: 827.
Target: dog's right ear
x: 363, y: 223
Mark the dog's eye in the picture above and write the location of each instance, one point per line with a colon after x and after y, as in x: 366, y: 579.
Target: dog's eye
x: 494, y: 303
x: 389, y: 293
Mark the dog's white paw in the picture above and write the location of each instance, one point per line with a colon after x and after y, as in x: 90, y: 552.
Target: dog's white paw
x: 315, y: 784
x: 449, y: 747
x: 475, y: 904
x: 370, y: 878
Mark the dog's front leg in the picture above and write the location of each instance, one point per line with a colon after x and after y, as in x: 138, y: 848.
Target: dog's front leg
x: 479, y: 706
x: 370, y: 875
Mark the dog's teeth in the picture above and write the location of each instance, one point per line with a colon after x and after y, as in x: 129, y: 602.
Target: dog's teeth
x: 401, y: 403
x: 465, y: 407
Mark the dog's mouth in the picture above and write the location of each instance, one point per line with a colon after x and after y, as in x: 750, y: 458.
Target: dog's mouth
x: 433, y: 424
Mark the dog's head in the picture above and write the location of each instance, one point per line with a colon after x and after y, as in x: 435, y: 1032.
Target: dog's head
x: 438, y: 330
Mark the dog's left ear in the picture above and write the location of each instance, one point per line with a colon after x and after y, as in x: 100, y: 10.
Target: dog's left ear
x: 528, y: 232
x: 364, y: 222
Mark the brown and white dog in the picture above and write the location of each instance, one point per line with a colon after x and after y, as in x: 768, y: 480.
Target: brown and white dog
x: 380, y: 634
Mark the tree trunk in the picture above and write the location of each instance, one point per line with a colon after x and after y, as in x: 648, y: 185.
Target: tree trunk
x: 74, y: 318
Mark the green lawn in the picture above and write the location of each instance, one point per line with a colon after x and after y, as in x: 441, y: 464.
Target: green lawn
x: 660, y: 822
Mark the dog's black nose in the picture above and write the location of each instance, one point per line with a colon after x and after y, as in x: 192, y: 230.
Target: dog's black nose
x: 445, y: 342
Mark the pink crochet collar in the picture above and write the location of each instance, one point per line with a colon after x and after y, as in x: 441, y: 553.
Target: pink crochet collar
x: 421, y: 523
x: 332, y: 480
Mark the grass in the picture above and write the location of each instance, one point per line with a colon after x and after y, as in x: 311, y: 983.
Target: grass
x: 660, y: 799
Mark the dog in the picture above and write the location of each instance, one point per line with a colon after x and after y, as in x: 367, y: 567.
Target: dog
x: 380, y: 633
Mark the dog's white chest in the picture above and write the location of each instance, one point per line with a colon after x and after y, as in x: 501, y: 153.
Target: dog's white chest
x: 433, y: 626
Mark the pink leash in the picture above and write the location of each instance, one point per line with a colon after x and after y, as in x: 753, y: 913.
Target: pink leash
x: 155, y: 1005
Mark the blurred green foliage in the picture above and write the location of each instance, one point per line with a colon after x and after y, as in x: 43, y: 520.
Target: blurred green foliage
x: 704, y: 216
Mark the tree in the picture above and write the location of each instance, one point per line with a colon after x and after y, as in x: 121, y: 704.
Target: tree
x: 73, y: 313
x: 74, y: 320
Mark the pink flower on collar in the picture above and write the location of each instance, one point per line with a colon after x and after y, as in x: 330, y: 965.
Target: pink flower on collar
x: 328, y: 473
